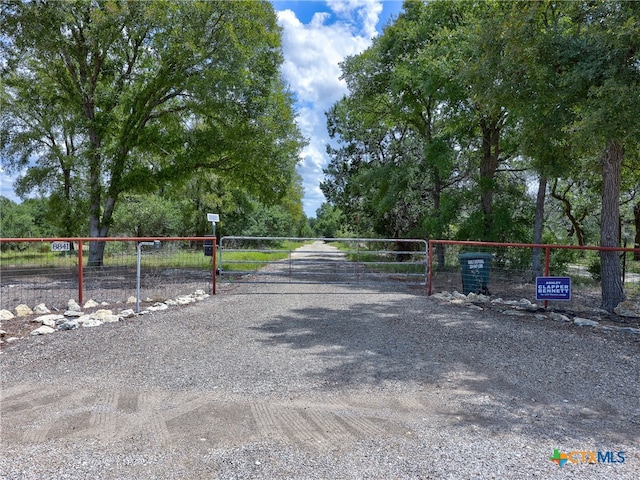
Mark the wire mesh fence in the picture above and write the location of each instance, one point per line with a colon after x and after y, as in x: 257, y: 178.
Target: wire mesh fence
x: 53, y: 271
x: 507, y: 271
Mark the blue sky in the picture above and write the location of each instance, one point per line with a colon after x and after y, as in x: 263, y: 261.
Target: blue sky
x: 317, y: 36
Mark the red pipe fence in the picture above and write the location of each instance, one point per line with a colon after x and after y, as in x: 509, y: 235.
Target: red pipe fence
x: 32, y: 271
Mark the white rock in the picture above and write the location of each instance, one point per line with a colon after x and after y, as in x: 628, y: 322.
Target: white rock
x: 497, y: 300
x: 91, y: 304
x: 6, y: 315
x: 104, y: 316
x: 23, y: 310
x: 12, y: 339
x: 131, y: 299
x: 171, y: 302
x: 510, y: 302
x: 43, y: 330
x: 69, y: 325
x: 49, y: 320
x: 558, y: 317
x: 199, y: 292
x: 442, y: 296
x: 458, y: 296
x: 585, y: 322
x: 73, y: 306
x: 630, y: 330
x: 127, y: 313
x: 628, y: 309
x: 513, y: 313
x: 41, y: 309
x: 2, y: 333
x: 185, y: 300
x: 157, y: 307
x: 92, y: 322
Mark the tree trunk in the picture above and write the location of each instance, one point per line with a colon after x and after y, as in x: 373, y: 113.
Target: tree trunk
x: 612, y: 289
x: 576, y: 227
x: 488, y: 169
x: 636, y: 216
x: 538, y: 225
x: 96, y: 249
x: 436, y: 196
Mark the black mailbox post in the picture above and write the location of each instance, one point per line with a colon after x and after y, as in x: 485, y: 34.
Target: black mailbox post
x: 208, y: 246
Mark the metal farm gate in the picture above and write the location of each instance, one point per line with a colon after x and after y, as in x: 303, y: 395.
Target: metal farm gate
x: 323, y: 260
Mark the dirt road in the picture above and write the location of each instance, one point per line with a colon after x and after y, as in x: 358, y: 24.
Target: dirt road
x: 332, y: 382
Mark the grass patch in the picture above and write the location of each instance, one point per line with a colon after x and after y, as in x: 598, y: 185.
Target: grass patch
x: 243, y: 260
x: 375, y: 258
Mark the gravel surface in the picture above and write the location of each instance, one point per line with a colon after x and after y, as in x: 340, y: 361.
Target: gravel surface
x: 321, y: 382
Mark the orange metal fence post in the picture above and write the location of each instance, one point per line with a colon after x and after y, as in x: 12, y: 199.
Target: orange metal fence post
x: 429, y: 266
x: 547, y: 267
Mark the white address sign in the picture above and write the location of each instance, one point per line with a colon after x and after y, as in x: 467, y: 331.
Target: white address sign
x: 60, y: 246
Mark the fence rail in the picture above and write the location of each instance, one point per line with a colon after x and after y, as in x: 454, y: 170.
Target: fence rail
x: 511, y: 274
x: 54, y: 270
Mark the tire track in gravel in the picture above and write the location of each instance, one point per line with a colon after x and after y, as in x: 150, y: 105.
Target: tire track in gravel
x: 164, y: 419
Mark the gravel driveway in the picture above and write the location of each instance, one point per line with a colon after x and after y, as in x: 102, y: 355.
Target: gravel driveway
x: 321, y: 382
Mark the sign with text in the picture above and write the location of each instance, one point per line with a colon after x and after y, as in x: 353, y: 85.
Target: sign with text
x: 60, y: 246
x: 553, y: 288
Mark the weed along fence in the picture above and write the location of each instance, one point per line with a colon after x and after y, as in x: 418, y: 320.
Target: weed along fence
x: 568, y: 276
x: 323, y: 260
x: 54, y: 270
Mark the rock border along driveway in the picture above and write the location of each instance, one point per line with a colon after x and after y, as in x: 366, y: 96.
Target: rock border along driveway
x: 322, y: 382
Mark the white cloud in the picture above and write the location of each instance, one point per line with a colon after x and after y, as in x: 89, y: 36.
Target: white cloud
x: 313, y: 53
x: 364, y: 12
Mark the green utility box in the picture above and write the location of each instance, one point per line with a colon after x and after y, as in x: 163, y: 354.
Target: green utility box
x: 476, y: 267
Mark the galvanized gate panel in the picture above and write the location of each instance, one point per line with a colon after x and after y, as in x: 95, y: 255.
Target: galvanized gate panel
x: 322, y: 260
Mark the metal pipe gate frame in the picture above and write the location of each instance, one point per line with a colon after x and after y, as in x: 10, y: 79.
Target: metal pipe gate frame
x: 358, y: 241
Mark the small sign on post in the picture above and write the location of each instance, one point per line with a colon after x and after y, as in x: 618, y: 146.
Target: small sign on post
x: 553, y: 288
x: 60, y: 246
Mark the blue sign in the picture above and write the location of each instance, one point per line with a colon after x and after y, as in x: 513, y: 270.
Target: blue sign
x: 553, y: 288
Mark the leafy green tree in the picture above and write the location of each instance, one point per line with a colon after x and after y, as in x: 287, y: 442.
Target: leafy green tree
x: 328, y: 221
x: 15, y: 222
x: 147, y: 215
x: 144, y: 94
x: 24, y: 220
x: 394, y: 161
x: 274, y: 221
